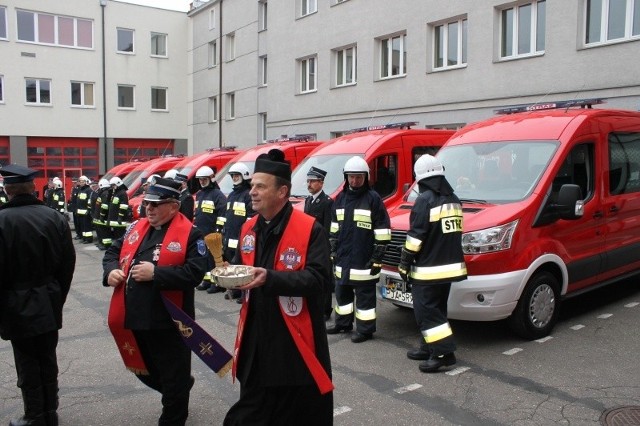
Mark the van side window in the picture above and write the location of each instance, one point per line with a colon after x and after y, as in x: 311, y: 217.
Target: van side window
x: 576, y: 169
x: 624, y: 162
x: 385, y: 169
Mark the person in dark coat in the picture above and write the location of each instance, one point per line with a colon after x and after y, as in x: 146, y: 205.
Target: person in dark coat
x: 160, y: 256
x: 37, y: 260
x: 186, y: 198
x: 83, y: 209
x: 118, y: 215
x: 319, y: 205
x: 282, y: 356
x: 4, y: 199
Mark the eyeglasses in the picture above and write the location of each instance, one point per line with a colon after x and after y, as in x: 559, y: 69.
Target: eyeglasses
x: 155, y: 204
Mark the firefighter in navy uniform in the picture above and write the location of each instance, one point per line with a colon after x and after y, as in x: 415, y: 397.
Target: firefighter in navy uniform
x: 186, y: 198
x: 210, y: 208
x: 319, y: 205
x: 118, y: 208
x: 359, y: 234
x: 71, y: 207
x: 239, y: 209
x: 99, y: 212
x: 37, y: 260
x: 57, y: 199
x: 83, y: 210
x: 431, y: 259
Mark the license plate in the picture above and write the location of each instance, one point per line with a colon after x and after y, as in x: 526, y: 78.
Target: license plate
x: 397, y: 295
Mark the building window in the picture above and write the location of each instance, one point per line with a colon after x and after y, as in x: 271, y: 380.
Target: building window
x: 450, y: 44
x: 393, y: 56
x: 1, y: 89
x: 3, y: 23
x: 212, y: 19
x: 54, y: 30
x: 126, y: 98
x: 159, y: 99
x: 612, y: 20
x: 231, y: 106
x: 308, y: 75
x: 522, y: 30
x: 307, y: 7
x: 345, y: 66
x: 213, y: 54
x: 82, y: 94
x: 231, y: 47
x: 263, y: 71
x: 213, y: 109
x: 38, y: 91
x: 262, y: 15
x: 159, y: 45
x: 262, y: 125
x: 125, y: 41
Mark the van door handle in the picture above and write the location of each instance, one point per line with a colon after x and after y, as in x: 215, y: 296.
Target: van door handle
x: 613, y: 209
x: 597, y: 215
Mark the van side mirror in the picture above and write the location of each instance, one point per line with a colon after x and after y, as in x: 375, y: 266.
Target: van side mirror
x: 570, y: 205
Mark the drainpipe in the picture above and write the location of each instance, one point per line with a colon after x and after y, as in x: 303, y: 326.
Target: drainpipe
x: 103, y: 4
x: 220, y: 114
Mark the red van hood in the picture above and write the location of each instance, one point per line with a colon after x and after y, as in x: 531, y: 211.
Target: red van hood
x: 476, y: 216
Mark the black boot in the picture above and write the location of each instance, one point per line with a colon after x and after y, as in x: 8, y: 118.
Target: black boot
x: 51, y: 402
x: 33, y: 409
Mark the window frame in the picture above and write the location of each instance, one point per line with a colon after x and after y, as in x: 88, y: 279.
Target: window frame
x: 213, y: 115
x: 264, y: 71
x: 4, y: 23
x: 262, y: 15
x: 604, y: 27
x: 213, y: 54
x: 514, y: 31
x: 231, y: 106
x: 212, y: 19
x: 402, y: 66
x: 231, y: 46
x: 341, y: 66
x: 1, y: 88
x: 461, y: 44
x: 164, y: 90
x: 166, y: 45
x: 305, y: 75
x: 262, y: 125
x: 133, y: 41
x: 308, y: 7
x: 83, y: 92
x: 133, y: 97
x: 38, y: 101
x: 57, y: 29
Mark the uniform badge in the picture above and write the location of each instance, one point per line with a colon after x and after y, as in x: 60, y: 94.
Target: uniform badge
x: 291, y: 306
x: 156, y: 253
x: 133, y: 237
x: 174, y: 247
x: 290, y: 258
x: 202, y: 248
x: 248, y: 244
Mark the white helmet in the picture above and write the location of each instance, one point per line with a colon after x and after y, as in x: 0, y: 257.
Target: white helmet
x: 428, y: 166
x: 56, y: 179
x: 57, y: 183
x: 241, y: 169
x: 84, y: 179
x: 170, y: 174
x: 152, y: 179
x: 115, y: 181
x: 103, y: 183
x: 356, y: 165
x: 204, y: 172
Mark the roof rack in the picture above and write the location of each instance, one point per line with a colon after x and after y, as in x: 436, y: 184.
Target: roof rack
x: 222, y: 148
x: 299, y: 138
x: 401, y: 125
x: 582, y: 103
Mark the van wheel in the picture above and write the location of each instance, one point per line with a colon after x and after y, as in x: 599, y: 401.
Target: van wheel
x: 538, y: 308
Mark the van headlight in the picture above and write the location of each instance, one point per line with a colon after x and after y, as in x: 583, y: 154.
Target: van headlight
x: 489, y: 240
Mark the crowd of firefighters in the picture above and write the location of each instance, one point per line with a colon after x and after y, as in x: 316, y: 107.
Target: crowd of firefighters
x: 357, y: 226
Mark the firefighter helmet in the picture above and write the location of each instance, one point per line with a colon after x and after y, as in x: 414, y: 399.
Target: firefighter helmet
x: 170, y: 174
x: 355, y: 165
x: 205, y: 172
x: 104, y: 183
x: 84, y: 179
x: 115, y: 181
x: 428, y: 166
x: 240, y: 169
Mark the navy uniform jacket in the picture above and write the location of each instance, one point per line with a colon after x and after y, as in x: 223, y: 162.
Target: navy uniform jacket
x: 320, y: 208
x: 186, y: 204
x: 37, y: 260
x: 143, y: 303
x: 210, y: 204
x: 239, y: 209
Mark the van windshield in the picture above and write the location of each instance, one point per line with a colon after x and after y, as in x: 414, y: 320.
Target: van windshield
x: 332, y: 164
x: 494, y: 172
x: 224, y: 178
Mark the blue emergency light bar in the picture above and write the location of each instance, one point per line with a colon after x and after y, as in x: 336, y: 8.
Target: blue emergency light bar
x: 401, y: 125
x: 582, y: 103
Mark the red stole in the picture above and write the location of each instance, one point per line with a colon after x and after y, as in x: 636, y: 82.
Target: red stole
x: 290, y: 256
x: 172, y: 252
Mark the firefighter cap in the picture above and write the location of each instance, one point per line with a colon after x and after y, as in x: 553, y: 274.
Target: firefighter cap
x: 163, y: 189
x: 14, y: 173
x: 316, y: 173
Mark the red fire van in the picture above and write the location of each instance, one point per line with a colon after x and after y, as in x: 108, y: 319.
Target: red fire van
x: 390, y: 150
x: 551, y: 200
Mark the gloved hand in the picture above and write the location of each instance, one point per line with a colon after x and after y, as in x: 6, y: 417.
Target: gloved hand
x: 375, y: 268
x: 404, y: 273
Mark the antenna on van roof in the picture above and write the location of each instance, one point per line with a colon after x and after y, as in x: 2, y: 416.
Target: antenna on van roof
x: 582, y: 103
x: 401, y: 125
